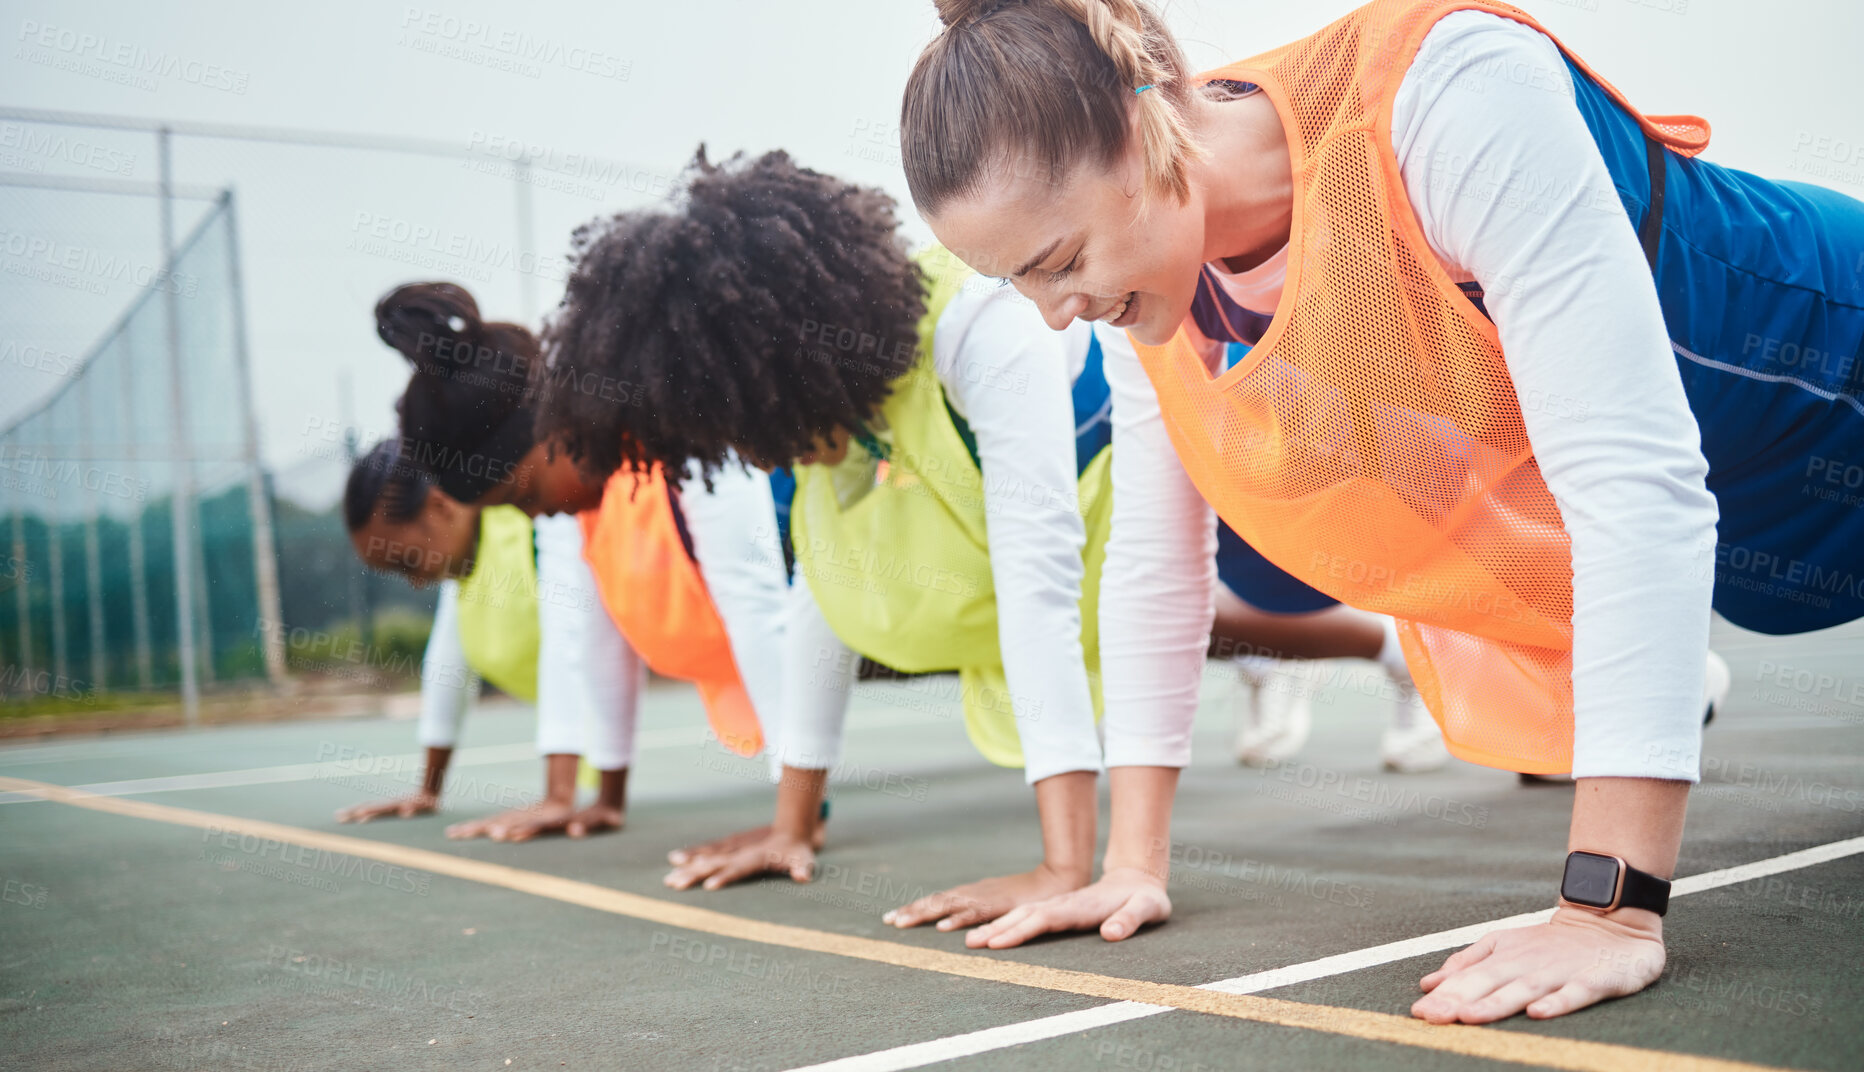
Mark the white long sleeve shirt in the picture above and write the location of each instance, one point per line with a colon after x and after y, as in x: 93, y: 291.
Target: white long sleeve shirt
x: 1011, y: 379
x: 794, y: 668
x: 447, y: 681
x: 1512, y: 193
x: 819, y: 672
x: 588, y: 678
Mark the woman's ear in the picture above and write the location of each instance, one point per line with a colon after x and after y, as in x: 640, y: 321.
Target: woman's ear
x: 446, y: 510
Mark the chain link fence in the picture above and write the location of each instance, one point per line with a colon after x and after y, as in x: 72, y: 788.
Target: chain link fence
x: 135, y: 517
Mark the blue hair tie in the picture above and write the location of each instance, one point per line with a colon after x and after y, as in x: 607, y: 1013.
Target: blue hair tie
x: 1140, y: 90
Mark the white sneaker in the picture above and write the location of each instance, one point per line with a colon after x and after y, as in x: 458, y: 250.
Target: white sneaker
x: 1715, y: 684
x: 1274, y: 709
x: 1417, y: 746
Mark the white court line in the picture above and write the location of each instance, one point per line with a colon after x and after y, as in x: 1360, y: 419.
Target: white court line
x: 175, y: 740
x: 920, y: 1054
x: 368, y: 765
x: 377, y: 766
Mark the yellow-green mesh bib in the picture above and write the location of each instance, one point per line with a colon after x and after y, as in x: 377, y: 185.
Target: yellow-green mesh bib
x: 902, y: 574
x: 498, y: 603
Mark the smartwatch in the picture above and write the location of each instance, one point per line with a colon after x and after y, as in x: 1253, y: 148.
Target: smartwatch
x: 1602, y: 883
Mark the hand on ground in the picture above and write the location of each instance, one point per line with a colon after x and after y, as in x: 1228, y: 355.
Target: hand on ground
x: 733, y: 842
x: 594, y: 819
x: 520, y: 824
x: 755, y: 852
x: 984, y: 900
x: 1576, y: 959
x: 1125, y: 899
x: 399, y: 808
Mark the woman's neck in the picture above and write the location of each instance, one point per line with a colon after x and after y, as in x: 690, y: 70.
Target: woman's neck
x: 1245, y: 179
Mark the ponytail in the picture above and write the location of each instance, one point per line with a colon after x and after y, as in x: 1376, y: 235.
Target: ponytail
x: 1136, y: 42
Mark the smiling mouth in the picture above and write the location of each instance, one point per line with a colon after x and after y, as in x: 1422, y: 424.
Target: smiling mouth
x: 1118, y: 312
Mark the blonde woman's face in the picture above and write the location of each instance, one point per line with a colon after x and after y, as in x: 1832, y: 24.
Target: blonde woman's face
x: 1083, y: 248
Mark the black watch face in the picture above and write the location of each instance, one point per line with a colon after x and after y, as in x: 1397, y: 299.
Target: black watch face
x: 1591, y: 879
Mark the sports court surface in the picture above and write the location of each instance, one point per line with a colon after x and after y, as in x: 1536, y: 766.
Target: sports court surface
x: 189, y: 902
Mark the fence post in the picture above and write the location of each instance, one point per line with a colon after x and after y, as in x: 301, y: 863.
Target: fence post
x: 93, y: 554
x: 22, y: 598
x: 55, y: 570
x: 264, y: 545
x: 138, y: 556
x: 182, y: 501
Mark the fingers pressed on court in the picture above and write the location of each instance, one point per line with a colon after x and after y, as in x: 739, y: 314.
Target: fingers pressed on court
x: 1044, y: 917
x: 1457, y: 961
x: 935, y: 906
x: 965, y: 914
x: 1139, y: 910
x: 981, y: 937
x: 1509, y: 999
x: 472, y: 828
x: 718, y: 846
x: 595, y: 819
x: 742, y: 864
x: 530, y: 828
x: 1572, y: 997
x: 1445, y: 1003
x: 695, y: 870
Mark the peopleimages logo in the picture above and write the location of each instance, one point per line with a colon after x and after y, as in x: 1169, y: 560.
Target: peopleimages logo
x: 28, y: 148
x: 85, y: 263
x: 313, y: 862
x: 49, y: 474
x: 518, y: 52
x: 423, y: 244
x: 37, y: 358
x: 129, y: 63
x: 16, y: 678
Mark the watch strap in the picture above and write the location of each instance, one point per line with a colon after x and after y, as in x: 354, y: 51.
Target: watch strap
x: 1641, y: 889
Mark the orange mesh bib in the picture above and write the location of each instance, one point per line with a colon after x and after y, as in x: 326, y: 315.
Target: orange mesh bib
x: 1371, y: 443
x: 654, y: 592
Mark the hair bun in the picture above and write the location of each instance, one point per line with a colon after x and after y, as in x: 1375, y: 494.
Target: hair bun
x: 413, y: 316
x: 956, y: 12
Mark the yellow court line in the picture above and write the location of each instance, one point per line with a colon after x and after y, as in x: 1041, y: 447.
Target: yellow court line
x: 1488, y: 1043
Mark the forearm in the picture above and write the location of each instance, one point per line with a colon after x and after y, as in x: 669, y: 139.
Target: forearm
x: 1638, y: 819
x: 1065, y: 804
x: 435, y: 776
x: 1141, y: 832
x: 799, y: 802
x: 447, y: 680
x: 612, y: 790
x: 560, y: 777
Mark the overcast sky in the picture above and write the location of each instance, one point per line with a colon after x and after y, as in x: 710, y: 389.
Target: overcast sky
x: 643, y: 83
